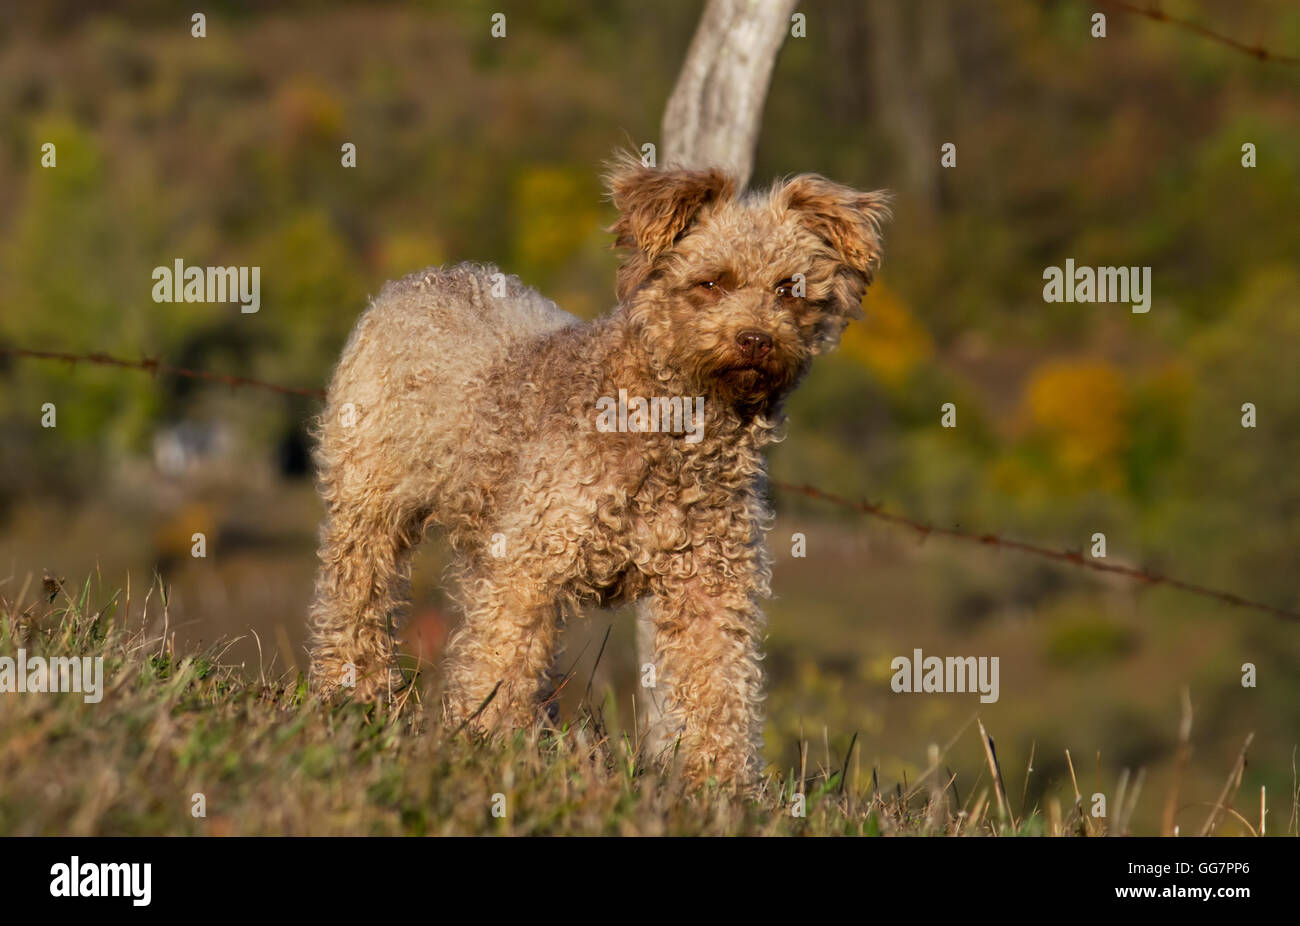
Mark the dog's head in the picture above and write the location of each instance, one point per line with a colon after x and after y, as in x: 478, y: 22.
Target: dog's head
x: 737, y: 294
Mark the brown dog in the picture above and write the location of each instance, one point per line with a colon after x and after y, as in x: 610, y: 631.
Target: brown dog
x: 577, y: 463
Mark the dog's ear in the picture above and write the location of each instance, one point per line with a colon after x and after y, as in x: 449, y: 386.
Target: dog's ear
x: 849, y: 222
x: 846, y: 219
x: 656, y: 206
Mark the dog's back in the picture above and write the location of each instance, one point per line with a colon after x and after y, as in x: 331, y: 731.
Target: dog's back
x: 453, y: 322
x: 405, y: 384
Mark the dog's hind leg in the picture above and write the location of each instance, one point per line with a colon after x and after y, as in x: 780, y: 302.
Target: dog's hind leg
x: 363, y: 579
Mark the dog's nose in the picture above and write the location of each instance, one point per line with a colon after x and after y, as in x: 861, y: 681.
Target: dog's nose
x: 754, y: 345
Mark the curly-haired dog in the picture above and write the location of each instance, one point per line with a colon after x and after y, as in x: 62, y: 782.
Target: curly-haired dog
x: 467, y: 400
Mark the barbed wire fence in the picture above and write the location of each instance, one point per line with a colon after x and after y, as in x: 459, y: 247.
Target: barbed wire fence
x: 1155, y: 13
x: 922, y: 529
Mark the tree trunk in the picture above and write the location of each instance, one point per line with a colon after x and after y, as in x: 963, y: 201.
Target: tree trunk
x: 715, y: 111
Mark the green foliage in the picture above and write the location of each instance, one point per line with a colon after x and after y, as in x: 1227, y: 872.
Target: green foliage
x: 66, y: 282
x: 1087, y: 640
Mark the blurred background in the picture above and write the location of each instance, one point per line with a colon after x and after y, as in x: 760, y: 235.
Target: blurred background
x: 1071, y: 418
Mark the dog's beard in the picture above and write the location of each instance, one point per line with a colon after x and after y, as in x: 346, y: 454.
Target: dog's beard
x: 725, y: 378
x: 751, y: 387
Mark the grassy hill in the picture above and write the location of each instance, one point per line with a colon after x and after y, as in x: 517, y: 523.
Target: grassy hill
x: 182, y: 743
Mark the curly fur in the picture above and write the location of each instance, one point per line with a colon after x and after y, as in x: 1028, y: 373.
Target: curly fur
x: 476, y: 411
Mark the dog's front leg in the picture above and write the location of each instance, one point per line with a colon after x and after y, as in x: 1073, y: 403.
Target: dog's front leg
x: 505, y: 644
x: 709, y: 678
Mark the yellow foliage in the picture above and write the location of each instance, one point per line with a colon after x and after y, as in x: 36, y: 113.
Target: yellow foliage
x: 173, y: 534
x: 403, y: 252
x: 890, y: 342
x: 1011, y: 475
x: 1080, y: 406
x: 555, y: 212
x: 309, y: 110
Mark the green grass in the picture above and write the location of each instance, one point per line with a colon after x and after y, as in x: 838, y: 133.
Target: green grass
x: 268, y: 758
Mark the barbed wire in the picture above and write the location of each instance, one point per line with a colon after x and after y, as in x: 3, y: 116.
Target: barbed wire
x: 158, y: 368
x: 923, y: 530
x: 1156, y: 14
x: 1071, y: 557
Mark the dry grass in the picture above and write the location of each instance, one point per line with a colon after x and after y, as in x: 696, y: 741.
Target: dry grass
x: 269, y: 759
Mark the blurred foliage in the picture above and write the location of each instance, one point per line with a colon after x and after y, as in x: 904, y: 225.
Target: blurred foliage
x: 1078, y: 410
x: 889, y: 342
x: 1086, y: 640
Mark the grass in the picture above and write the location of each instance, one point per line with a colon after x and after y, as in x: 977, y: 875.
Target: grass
x: 180, y: 732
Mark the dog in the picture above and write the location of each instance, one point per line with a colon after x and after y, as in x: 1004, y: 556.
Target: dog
x: 553, y: 454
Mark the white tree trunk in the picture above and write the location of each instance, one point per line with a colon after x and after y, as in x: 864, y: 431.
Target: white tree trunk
x: 715, y: 111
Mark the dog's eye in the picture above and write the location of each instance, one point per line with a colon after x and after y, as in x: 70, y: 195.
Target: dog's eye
x: 785, y: 289
x: 707, y: 285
